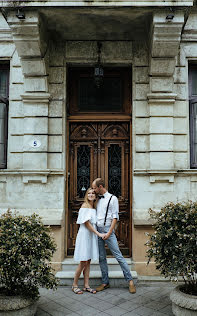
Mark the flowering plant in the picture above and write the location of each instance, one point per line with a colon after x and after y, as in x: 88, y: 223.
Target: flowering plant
x: 26, y: 249
x: 173, y: 245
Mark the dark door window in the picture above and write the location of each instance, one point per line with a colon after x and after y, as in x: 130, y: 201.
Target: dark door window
x: 113, y: 95
x: 4, y: 94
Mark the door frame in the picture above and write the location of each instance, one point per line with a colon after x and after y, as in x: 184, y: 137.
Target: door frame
x: 99, y: 118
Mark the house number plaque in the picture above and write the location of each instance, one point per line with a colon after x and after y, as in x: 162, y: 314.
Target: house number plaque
x: 35, y: 143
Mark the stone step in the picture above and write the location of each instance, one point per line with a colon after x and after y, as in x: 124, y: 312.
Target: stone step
x: 70, y: 265
x: 115, y: 273
x: 116, y: 278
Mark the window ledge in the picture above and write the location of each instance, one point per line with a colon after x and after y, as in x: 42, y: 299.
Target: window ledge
x: 50, y: 217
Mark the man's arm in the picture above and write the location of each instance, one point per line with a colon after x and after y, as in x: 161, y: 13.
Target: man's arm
x: 113, y: 224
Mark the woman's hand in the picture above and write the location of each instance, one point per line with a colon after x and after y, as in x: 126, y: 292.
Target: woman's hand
x: 101, y: 235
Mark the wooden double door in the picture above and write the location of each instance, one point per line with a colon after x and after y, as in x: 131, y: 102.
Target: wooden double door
x: 100, y: 149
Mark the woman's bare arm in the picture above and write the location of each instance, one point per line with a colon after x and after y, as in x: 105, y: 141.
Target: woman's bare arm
x: 92, y: 229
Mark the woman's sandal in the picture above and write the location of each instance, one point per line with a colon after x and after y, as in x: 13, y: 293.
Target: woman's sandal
x: 88, y: 289
x: 77, y: 290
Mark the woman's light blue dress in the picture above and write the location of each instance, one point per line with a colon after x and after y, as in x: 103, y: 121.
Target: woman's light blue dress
x: 86, y: 246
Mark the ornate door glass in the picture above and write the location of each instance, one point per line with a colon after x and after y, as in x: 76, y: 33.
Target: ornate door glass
x: 83, y: 170
x: 114, y: 169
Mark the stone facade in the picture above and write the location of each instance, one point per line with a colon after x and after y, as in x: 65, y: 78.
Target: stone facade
x: 35, y: 178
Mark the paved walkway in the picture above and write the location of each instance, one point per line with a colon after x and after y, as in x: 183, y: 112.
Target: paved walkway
x: 150, y: 299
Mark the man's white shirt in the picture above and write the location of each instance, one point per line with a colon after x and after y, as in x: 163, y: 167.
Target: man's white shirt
x: 112, y: 211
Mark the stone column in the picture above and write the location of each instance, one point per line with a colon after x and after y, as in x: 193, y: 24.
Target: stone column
x: 165, y: 42
x: 31, y: 47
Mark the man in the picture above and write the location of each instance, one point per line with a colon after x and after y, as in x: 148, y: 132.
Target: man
x: 110, y: 238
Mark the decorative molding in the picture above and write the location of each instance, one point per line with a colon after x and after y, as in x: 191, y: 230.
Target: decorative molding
x: 161, y: 98
x: 163, y: 178
x: 102, y: 3
x: 35, y: 179
x: 40, y: 172
x: 52, y: 217
x: 38, y: 97
x: 155, y: 173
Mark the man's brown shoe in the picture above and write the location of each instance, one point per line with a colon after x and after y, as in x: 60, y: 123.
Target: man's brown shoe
x: 132, y: 288
x: 102, y: 287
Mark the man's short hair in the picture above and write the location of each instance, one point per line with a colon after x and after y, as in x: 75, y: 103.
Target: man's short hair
x: 99, y: 182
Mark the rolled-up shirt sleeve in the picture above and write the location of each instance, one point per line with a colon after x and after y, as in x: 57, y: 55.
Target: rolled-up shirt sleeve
x: 115, y: 208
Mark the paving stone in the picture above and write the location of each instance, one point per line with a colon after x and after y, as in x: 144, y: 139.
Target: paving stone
x: 115, y: 311
x: 167, y: 310
x: 115, y: 291
x: 64, y: 301
x: 144, y: 311
x: 129, y: 306
x: 129, y: 296
x: 100, y: 314
x: 117, y: 300
x: 158, y: 314
x: 156, y: 305
x: 149, y: 300
x: 61, y: 313
x: 73, y: 314
x: 42, y: 300
x: 49, y: 306
x: 40, y: 312
x: 102, y: 306
x: 87, y: 311
x: 141, y: 300
x: 75, y: 307
x: 104, y: 295
x: 131, y: 314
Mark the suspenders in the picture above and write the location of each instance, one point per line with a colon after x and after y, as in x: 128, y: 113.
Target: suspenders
x: 107, y: 209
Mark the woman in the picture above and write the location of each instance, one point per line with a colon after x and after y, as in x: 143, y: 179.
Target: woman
x: 86, y: 247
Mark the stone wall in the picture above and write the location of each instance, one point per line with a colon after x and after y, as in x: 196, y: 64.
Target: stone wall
x: 35, y: 178
x: 161, y: 147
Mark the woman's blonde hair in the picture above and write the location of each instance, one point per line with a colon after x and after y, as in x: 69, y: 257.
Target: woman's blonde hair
x: 86, y: 202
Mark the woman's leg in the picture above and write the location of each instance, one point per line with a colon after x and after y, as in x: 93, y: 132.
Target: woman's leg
x: 78, y: 272
x: 86, y: 273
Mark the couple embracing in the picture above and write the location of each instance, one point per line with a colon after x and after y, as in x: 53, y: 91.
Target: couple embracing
x: 97, y: 217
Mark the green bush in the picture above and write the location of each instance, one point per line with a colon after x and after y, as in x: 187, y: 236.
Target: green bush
x: 26, y: 249
x: 173, y: 245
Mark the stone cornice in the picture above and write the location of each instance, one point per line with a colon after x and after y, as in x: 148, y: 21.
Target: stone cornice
x: 180, y: 172
x: 45, y: 172
x: 98, y: 3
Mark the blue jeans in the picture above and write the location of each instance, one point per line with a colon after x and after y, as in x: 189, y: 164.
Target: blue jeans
x: 114, y: 248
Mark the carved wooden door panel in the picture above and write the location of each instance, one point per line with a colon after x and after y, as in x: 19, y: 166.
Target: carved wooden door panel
x: 99, y: 150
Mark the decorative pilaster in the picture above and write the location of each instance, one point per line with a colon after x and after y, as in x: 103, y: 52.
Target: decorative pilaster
x: 165, y: 44
x: 30, y: 44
